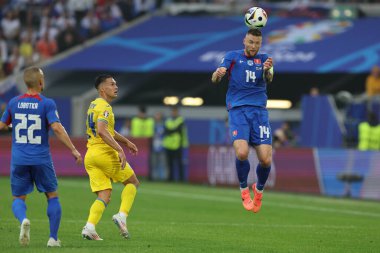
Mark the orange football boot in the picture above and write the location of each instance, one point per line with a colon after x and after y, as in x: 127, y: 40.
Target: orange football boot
x: 258, y: 196
x: 247, y: 201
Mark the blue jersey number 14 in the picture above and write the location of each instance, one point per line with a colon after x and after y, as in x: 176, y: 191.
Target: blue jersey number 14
x: 250, y: 75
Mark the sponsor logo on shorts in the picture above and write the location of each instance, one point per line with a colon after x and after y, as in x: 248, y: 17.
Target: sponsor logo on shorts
x: 234, y: 133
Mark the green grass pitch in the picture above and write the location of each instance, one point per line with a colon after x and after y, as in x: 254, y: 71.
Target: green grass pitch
x: 190, y: 218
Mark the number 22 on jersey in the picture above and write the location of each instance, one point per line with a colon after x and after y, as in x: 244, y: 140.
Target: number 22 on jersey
x: 23, y: 125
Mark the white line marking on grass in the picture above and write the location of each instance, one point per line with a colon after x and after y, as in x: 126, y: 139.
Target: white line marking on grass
x: 215, y: 198
x: 208, y: 224
x: 235, y: 200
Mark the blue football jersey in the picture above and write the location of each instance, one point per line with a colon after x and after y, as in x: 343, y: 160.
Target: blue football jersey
x: 246, y: 83
x: 30, y: 116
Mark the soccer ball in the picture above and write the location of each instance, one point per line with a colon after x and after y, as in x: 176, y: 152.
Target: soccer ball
x: 256, y: 17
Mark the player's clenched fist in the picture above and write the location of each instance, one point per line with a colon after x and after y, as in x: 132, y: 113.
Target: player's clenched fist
x: 268, y: 63
x: 218, y: 74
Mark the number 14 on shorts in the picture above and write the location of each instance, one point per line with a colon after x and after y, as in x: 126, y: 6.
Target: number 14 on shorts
x: 264, y: 130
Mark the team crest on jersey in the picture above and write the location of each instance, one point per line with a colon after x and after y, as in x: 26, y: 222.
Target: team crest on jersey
x: 250, y: 62
x: 106, y: 114
x: 257, y: 61
x: 234, y: 133
x: 56, y: 113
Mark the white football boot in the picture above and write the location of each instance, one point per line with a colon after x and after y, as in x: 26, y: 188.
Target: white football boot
x: 24, y: 238
x: 53, y: 243
x: 90, y: 234
x: 121, y: 223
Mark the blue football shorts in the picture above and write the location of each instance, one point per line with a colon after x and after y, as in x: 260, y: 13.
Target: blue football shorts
x: 23, y: 178
x: 250, y: 123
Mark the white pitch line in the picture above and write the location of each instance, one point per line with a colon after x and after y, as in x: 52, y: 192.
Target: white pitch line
x: 207, y: 224
x: 290, y: 206
x: 215, y: 198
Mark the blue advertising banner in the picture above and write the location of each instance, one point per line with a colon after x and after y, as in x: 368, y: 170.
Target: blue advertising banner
x: 197, y: 44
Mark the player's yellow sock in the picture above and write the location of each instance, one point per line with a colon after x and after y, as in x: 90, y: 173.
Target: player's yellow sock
x: 127, y: 198
x: 96, y: 211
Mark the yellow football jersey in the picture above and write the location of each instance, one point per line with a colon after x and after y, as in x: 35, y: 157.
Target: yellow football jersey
x: 99, y: 110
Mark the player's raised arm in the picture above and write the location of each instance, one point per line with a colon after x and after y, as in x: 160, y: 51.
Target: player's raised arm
x: 268, y: 70
x: 108, y: 139
x: 218, y: 74
x: 130, y: 145
x: 62, y: 135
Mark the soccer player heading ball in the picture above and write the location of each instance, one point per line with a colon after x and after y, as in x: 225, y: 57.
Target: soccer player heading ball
x: 249, y: 73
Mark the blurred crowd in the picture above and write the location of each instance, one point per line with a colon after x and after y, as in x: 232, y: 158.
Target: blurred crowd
x: 36, y: 30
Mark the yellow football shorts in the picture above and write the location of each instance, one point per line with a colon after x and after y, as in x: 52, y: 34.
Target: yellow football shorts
x: 102, y: 166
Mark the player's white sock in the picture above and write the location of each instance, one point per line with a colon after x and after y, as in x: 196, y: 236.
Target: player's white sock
x: 259, y: 190
x: 123, y: 215
x: 242, y: 189
x: 90, y: 226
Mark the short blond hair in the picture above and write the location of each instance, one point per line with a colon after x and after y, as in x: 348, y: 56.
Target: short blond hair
x: 32, y: 76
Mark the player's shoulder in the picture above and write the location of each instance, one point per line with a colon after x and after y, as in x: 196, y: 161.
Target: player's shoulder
x: 263, y: 56
x: 45, y: 100
x: 101, y: 104
x: 235, y: 53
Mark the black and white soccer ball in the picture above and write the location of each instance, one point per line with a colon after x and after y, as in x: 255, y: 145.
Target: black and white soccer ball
x: 256, y: 17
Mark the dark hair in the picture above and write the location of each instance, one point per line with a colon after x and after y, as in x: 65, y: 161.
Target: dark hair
x: 254, y: 32
x: 101, y: 78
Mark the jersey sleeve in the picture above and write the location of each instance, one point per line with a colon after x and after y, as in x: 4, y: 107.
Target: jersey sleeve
x: 51, y: 112
x: 7, y: 116
x: 104, y: 113
x: 264, y: 57
x: 227, y: 60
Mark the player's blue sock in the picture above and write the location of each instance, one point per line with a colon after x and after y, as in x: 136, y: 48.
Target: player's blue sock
x: 54, y: 213
x: 242, y: 168
x: 262, y: 176
x: 19, y: 209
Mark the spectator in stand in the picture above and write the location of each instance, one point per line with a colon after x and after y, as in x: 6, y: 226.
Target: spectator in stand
x: 3, y: 51
x: 46, y: 47
x: 24, y: 24
x: 68, y: 39
x: 373, y: 82
x: 89, y: 24
x: 80, y: 7
x: 107, y: 21
x: 65, y: 21
x: 27, y: 51
x: 16, y: 62
x: 11, y: 26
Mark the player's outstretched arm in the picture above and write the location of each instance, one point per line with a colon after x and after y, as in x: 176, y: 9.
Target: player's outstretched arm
x: 108, y: 139
x: 62, y: 135
x: 130, y: 145
x: 218, y: 75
